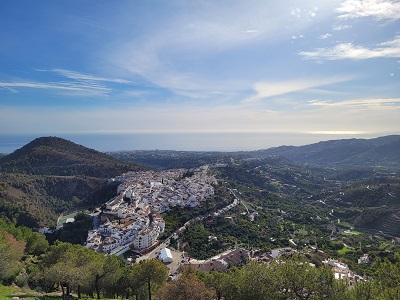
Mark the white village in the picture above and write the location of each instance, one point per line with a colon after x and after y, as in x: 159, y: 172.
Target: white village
x: 131, y: 220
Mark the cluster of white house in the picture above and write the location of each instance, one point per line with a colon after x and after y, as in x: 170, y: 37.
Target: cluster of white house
x: 133, y: 216
x: 342, y: 271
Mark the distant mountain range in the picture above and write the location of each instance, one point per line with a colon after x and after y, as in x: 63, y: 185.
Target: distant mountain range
x: 381, y: 151
x: 376, y: 152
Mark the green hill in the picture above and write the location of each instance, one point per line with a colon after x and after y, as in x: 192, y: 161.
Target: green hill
x: 50, y: 175
x: 56, y: 156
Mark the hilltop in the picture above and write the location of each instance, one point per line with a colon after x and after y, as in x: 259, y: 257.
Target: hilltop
x: 50, y: 175
x: 57, y: 156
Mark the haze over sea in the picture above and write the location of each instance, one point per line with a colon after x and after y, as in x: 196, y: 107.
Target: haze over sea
x: 240, y: 141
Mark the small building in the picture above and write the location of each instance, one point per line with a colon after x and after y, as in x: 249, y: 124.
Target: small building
x: 363, y: 259
x: 165, y: 255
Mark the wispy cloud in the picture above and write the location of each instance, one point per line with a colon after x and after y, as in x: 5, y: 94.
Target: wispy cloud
x: 78, y: 82
x: 181, y: 53
x: 350, y: 51
x: 360, y: 104
x: 66, y: 86
x: 341, y: 27
x: 269, y: 89
x: 82, y: 77
x: 378, y: 9
x: 325, y: 36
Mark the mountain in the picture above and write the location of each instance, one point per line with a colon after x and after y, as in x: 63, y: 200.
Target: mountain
x: 50, y: 175
x: 382, y: 151
x: 56, y: 156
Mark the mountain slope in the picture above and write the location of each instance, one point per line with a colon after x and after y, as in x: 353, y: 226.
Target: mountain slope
x: 50, y: 175
x: 382, y: 151
x: 56, y: 156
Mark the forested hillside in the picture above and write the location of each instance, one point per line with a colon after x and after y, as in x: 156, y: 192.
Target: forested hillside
x: 382, y: 151
x: 56, y: 156
x: 50, y: 175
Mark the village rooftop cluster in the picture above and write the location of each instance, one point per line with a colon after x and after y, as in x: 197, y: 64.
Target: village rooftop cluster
x: 132, y: 218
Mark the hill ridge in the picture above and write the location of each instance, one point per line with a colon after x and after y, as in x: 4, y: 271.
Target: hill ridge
x: 381, y: 151
x: 56, y: 156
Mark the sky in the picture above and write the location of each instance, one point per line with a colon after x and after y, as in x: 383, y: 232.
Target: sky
x: 155, y: 66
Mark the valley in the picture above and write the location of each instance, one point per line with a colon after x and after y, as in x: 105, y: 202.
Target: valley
x: 209, y: 208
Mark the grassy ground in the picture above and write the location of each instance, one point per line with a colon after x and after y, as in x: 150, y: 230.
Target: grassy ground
x: 8, y: 293
x: 344, y: 250
x: 61, y: 221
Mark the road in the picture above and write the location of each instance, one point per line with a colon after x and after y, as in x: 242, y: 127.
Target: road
x: 154, y: 253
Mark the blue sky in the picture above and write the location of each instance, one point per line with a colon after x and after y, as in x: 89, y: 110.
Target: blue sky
x: 289, y: 66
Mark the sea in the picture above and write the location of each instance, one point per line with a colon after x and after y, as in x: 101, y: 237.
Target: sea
x: 223, y: 142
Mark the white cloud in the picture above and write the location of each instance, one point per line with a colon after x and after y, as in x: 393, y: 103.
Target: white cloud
x: 183, y: 47
x: 373, y: 115
x: 302, y: 12
x: 350, y: 51
x: 338, y: 132
x: 360, y: 104
x: 269, y: 89
x: 82, y: 77
x: 66, y: 86
x: 379, y: 9
x: 325, y: 36
x: 82, y: 83
x: 341, y: 27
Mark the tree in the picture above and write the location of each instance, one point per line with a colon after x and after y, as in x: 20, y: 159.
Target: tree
x: 253, y: 281
x: 364, y: 291
x: 220, y: 282
x: 36, y: 243
x: 11, y: 252
x: 387, y: 281
x: 113, y: 271
x: 71, y: 267
x: 187, y: 287
x: 125, y: 283
x: 153, y: 273
x: 295, y: 278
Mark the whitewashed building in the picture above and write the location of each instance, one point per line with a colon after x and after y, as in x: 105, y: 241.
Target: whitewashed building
x: 165, y: 256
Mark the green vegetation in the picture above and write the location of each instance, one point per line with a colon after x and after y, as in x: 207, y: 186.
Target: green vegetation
x: 56, y: 156
x: 167, y: 159
x: 51, y: 175
x: 74, y: 270
x: 344, y: 250
x: 341, y: 212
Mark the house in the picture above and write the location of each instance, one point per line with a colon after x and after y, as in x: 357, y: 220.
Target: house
x: 114, y: 203
x: 223, y: 261
x: 363, y: 259
x: 147, y: 237
x: 341, y: 271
